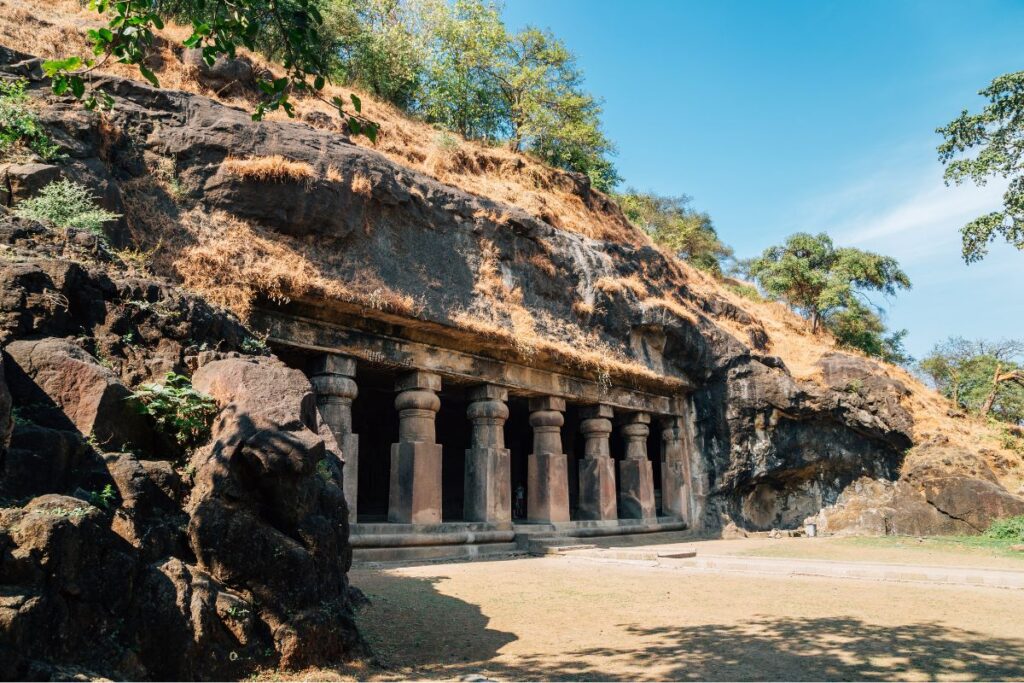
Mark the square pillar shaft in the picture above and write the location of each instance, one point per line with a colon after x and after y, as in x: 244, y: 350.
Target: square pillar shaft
x: 333, y: 379
x: 547, y: 477
x: 488, y: 478
x: 636, y: 474
x: 675, y: 475
x: 597, y: 469
x: 415, y: 492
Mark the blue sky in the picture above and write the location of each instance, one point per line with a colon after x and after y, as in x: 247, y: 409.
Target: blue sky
x: 811, y: 115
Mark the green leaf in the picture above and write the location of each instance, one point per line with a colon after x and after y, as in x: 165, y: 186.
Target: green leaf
x: 77, y: 86
x: 149, y: 75
x: 318, y: 83
x: 54, y: 66
x: 353, y: 126
x: 371, y: 132
x: 356, y: 102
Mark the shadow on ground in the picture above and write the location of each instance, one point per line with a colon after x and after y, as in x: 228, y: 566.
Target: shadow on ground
x: 767, y: 648
x: 418, y: 632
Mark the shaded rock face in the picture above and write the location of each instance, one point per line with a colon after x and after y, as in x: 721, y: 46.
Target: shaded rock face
x: 121, y: 554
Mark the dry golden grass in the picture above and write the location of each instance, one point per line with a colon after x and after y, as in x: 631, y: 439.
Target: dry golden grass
x: 583, y: 309
x: 542, y: 263
x: 362, y: 185
x: 274, y: 168
x: 671, y: 305
x: 618, y: 285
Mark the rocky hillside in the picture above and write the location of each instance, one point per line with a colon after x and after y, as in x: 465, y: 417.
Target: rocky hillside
x: 219, y: 212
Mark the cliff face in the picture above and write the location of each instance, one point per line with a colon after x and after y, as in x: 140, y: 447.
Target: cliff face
x: 363, y: 236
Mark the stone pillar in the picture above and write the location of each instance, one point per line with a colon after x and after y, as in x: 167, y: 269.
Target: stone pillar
x: 488, y: 490
x: 675, y: 470
x: 597, y: 469
x: 547, y: 470
x: 332, y: 377
x: 415, y: 493
x: 636, y: 475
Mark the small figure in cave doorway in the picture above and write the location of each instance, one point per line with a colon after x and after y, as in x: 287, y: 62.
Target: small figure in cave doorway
x: 519, y: 503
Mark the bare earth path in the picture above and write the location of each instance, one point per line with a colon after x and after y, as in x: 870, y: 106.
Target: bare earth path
x: 566, y: 618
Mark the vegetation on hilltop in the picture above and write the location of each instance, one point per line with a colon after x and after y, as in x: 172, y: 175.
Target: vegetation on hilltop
x: 674, y: 224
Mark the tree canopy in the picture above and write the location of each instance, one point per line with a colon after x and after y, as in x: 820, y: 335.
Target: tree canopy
x: 457, y: 65
x: 816, y: 278
x: 998, y: 133
x: 980, y: 376
x: 671, y: 222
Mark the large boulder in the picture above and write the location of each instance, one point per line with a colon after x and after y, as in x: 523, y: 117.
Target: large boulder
x: 68, y: 581
x: 54, y: 373
x: 267, y: 507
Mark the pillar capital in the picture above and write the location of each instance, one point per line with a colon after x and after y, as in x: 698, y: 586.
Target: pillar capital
x: 418, y: 379
x: 599, y: 411
x: 333, y: 364
x: 539, y: 403
x: 637, y: 418
x: 487, y: 392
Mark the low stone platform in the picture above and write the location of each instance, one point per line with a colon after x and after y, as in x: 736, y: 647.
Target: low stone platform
x: 388, y: 542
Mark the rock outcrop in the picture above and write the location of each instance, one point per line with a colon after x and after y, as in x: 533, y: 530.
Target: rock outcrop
x: 120, y: 555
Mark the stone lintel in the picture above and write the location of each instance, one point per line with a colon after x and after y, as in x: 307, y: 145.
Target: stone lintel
x: 487, y: 392
x: 333, y: 364
x: 418, y: 379
x: 665, y: 396
x: 599, y: 411
x: 547, y: 403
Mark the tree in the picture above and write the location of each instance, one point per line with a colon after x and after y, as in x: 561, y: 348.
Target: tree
x: 671, y: 222
x: 816, y: 278
x: 382, y: 45
x: 291, y: 30
x: 523, y: 88
x: 983, y: 377
x: 999, y: 133
x: 858, y: 327
x: 458, y: 91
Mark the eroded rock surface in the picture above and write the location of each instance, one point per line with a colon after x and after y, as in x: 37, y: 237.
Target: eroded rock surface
x: 119, y: 557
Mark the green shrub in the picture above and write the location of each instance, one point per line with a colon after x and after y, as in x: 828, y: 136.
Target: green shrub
x: 103, y: 499
x: 19, y: 127
x: 1009, y: 529
x: 66, y: 205
x: 746, y: 291
x: 179, y: 410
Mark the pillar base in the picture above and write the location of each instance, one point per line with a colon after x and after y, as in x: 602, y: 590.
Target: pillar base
x: 488, y: 496
x: 547, y: 487
x: 636, y: 489
x: 415, y: 495
x: 597, y: 489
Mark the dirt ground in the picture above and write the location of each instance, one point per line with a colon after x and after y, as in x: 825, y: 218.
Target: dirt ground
x: 567, y: 618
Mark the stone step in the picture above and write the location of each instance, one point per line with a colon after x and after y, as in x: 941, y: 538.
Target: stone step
x: 555, y: 545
